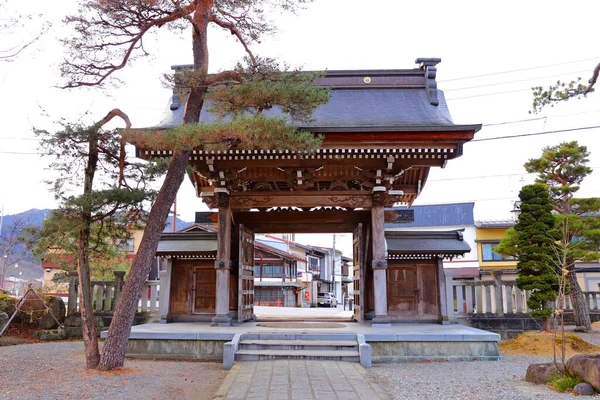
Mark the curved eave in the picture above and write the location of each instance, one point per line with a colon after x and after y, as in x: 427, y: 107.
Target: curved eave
x: 473, y: 128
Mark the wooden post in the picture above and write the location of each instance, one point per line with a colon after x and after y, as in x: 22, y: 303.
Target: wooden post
x: 449, y: 295
x: 379, y: 265
x: 165, y: 292
x: 498, y: 290
x: 223, y: 261
x: 119, y: 275
x: 443, y: 303
x: 72, y: 302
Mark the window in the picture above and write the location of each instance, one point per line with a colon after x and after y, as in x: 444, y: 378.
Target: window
x: 271, y: 270
x: 488, y: 253
x: 313, y: 263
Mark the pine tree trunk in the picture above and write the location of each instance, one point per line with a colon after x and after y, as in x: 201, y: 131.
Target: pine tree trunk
x: 88, y: 323
x: 113, y: 354
x: 580, y: 308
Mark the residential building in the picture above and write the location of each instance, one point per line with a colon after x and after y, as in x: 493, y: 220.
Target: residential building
x: 446, y: 217
x: 488, y: 236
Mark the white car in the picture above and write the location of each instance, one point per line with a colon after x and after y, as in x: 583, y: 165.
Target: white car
x: 326, y: 300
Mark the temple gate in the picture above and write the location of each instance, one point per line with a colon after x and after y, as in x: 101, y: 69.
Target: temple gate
x: 383, y: 130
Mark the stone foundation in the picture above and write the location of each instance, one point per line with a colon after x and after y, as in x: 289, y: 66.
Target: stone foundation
x: 433, y: 351
x: 176, y: 349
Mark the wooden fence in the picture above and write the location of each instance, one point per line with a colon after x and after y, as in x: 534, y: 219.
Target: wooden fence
x: 105, y: 295
x: 499, y: 297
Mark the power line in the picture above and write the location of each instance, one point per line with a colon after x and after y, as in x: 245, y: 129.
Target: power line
x: 20, y: 153
x: 518, y: 70
x: 515, y: 81
x: 475, y: 177
x: 536, y: 133
x: 489, y: 94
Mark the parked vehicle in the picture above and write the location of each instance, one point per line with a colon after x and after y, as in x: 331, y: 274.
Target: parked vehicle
x: 326, y: 300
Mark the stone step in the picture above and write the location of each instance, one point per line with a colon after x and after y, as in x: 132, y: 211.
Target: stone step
x: 325, y: 345
x: 265, y: 354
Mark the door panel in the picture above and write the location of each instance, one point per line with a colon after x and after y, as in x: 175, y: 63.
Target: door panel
x: 358, y: 265
x: 429, y: 291
x: 402, y: 291
x: 180, y: 289
x: 205, y: 284
x: 413, y: 290
x: 246, y: 275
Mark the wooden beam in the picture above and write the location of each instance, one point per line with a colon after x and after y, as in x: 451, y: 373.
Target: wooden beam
x: 304, y: 217
x: 355, y: 199
x: 363, y: 163
x: 266, y: 227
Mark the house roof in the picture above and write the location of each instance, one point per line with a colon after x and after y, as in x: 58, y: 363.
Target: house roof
x: 188, y: 244
x: 587, y: 267
x: 425, y: 244
x: 457, y: 214
x: 399, y: 100
x: 275, y: 251
x: 495, y: 224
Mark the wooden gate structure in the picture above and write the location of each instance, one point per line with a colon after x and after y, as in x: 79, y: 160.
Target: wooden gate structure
x: 382, y: 132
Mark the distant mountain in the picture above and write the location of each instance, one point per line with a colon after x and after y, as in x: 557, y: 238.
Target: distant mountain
x: 22, y: 264
x: 179, y: 225
x: 19, y: 262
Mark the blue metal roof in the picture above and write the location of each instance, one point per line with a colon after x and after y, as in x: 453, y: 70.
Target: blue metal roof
x: 439, y: 215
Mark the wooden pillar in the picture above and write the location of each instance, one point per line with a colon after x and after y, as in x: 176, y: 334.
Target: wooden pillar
x: 498, y: 291
x: 379, y: 265
x: 119, y: 275
x: 223, y: 262
x: 72, y: 302
x: 442, y: 289
x: 165, y: 292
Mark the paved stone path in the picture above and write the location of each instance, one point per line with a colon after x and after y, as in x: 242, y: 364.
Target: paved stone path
x: 299, y: 379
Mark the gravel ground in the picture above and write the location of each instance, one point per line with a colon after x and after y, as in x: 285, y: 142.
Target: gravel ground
x: 463, y: 380
x: 502, y: 379
x: 55, y: 370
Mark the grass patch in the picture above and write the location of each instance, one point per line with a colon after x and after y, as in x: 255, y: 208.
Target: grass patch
x: 564, y: 383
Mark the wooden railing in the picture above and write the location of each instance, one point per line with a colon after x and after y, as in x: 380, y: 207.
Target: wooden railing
x: 499, y: 297
x: 105, y: 294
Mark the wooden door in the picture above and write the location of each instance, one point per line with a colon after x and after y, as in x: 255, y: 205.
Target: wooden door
x: 428, y: 291
x: 246, y: 275
x: 413, y: 291
x: 358, y: 269
x: 181, y: 288
x: 204, y: 288
x: 402, y: 290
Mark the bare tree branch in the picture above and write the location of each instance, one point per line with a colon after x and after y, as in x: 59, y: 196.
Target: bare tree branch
x: 234, y: 31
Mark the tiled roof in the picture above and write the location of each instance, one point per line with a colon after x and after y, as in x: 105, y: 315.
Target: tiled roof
x: 366, y: 100
x: 421, y: 242
x: 495, y: 224
x: 458, y: 214
x: 187, y: 244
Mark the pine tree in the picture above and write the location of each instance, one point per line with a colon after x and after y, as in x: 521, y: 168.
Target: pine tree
x: 535, y: 237
x: 109, y: 36
x: 563, y: 168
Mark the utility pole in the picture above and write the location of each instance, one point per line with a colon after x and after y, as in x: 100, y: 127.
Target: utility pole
x: 4, y: 255
x: 333, y: 268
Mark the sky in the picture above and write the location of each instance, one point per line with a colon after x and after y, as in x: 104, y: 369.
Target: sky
x: 492, y: 54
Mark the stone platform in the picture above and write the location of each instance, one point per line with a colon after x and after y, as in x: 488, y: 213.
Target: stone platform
x: 393, y: 343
